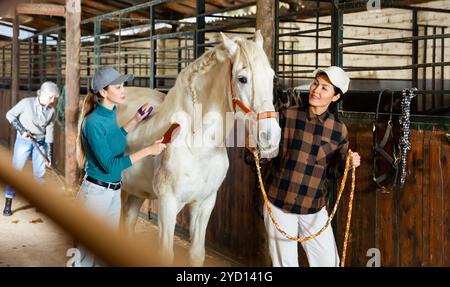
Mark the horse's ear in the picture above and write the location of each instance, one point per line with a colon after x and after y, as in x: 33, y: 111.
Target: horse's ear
x: 229, y: 44
x: 258, y: 38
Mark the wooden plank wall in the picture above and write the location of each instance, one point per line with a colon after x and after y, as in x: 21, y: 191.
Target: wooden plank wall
x: 410, y: 227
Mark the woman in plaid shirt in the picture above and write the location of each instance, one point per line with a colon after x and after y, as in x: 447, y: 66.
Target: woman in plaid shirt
x: 313, y: 148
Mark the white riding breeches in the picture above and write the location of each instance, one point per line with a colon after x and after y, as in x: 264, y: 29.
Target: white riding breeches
x: 321, y: 251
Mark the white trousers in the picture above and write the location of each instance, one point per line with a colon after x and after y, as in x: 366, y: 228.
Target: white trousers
x: 106, y: 204
x: 321, y: 251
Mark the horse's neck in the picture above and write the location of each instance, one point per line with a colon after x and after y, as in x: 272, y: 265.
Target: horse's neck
x: 210, y: 89
x: 207, y: 88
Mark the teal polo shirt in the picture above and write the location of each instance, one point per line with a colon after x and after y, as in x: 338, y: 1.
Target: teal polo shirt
x: 104, y: 144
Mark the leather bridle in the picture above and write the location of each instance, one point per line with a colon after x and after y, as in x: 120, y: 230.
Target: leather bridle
x: 379, y: 149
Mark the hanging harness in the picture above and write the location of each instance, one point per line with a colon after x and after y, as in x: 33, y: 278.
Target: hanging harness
x: 380, y: 152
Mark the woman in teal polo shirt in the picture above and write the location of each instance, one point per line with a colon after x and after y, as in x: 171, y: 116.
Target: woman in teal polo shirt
x: 101, y: 145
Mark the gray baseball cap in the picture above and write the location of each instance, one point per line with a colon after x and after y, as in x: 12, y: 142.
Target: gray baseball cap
x: 108, y: 76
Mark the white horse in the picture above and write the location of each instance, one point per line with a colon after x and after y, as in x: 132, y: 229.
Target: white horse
x: 234, y: 76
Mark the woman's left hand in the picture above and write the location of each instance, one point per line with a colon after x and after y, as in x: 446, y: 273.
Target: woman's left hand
x: 356, y: 160
x: 142, y: 113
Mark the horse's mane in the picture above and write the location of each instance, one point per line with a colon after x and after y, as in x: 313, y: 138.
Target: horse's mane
x: 199, y: 66
x: 184, y: 85
x: 204, y: 63
x: 185, y: 82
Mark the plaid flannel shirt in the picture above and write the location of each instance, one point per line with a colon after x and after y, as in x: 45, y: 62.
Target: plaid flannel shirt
x: 312, y: 149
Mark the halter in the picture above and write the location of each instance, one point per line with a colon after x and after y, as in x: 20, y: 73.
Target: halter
x: 237, y: 102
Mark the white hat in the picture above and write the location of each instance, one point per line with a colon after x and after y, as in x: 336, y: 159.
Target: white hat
x: 337, y: 77
x: 48, y: 88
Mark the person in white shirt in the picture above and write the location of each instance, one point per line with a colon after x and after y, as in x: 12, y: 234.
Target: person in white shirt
x: 33, y: 119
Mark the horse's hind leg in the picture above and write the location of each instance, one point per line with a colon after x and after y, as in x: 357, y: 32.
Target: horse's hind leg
x: 131, y: 212
x: 167, y: 216
x: 200, y: 213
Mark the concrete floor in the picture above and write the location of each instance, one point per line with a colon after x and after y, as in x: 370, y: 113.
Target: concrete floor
x: 29, y: 238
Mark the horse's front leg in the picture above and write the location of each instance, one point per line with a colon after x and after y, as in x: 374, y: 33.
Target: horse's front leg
x: 200, y: 213
x: 131, y: 212
x: 167, y: 216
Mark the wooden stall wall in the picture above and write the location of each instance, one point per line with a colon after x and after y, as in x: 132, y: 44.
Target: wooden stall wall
x: 410, y: 227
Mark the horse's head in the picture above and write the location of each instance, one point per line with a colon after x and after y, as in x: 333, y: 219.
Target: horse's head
x: 250, y: 83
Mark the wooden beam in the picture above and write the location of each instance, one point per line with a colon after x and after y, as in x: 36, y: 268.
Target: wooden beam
x: 192, y: 5
x: 265, y: 22
x: 109, y: 8
x: 6, y: 10
x: 73, y: 43
x: 186, y: 11
x: 15, y: 71
x: 41, y: 23
x: 41, y: 9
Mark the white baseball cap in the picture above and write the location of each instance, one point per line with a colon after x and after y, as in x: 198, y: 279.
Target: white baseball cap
x: 337, y: 77
x: 48, y: 88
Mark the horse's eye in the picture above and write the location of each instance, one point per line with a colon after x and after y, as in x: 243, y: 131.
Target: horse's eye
x: 242, y: 80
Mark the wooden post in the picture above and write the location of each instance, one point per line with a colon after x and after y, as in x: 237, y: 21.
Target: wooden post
x: 265, y: 22
x: 73, y: 42
x: 15, y: 71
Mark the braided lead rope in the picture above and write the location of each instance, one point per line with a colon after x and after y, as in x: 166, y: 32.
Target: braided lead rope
x: 330, y: 218
x: 349, y: 218
x: 405, y: 145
